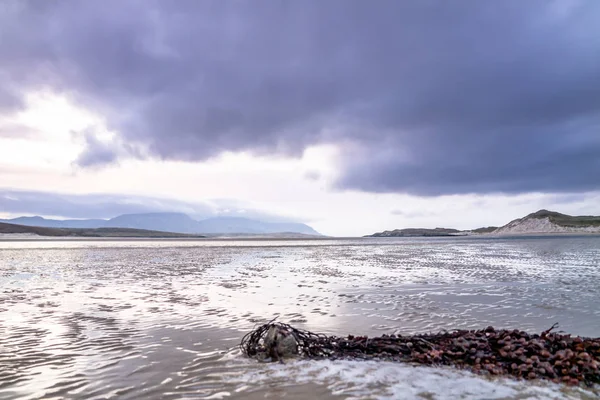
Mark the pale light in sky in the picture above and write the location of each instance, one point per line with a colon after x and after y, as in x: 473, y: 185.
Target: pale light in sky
x: 352, y: 117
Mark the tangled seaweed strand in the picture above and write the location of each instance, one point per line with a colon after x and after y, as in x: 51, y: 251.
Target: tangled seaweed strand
x: 551, y: 356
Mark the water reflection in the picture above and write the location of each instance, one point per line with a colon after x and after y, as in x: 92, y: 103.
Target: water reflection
x: 150, y: 319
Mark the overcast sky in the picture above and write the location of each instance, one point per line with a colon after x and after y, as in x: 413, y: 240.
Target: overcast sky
x: 352, y: 116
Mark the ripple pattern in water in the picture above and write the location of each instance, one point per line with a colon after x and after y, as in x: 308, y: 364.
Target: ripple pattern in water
x: 161, y: 319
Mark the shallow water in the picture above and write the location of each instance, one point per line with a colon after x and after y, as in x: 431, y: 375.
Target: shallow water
x: 161, y: 319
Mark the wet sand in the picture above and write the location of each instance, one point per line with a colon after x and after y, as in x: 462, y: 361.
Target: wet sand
x: 162, y: 319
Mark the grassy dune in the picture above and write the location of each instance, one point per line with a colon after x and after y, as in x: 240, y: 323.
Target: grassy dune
x: 567, y: 220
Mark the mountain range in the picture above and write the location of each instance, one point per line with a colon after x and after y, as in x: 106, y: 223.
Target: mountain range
x: 172, y: 222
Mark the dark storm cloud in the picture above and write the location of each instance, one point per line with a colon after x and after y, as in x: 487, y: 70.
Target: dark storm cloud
x: 437, y: 97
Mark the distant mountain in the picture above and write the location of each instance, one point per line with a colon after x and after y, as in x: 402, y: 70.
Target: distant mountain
x: 545, y: 221
x: 413, y: 232
x: 169, y: 222
x: 172, y: 222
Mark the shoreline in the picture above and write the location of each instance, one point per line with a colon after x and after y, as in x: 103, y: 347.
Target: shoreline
x: 483, y: 236
x: 519, y: 234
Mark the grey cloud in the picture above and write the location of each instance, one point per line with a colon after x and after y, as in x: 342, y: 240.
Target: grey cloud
x: 9, y: 102
x: 546, y: 163
x: 20, y: 202
x: 237, y: 208
x: 312, y: 175
x: 442, y: 97
x: 90, y: 206
x: 96, y: 152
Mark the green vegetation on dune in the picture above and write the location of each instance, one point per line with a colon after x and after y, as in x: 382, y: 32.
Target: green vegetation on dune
x: 84, y: 232
x: 487, y: 229
x: 567, y: 220
x: 411, y: 232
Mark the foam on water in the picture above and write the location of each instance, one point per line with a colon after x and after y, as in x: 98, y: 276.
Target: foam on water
x: 386, y: 380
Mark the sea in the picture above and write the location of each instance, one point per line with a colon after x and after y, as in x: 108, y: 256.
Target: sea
x: 162, y: 319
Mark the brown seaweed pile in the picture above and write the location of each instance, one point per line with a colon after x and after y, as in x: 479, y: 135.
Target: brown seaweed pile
x: 552, y: 356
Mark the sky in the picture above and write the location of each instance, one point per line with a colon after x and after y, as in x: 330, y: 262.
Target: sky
x: 351, y: 116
